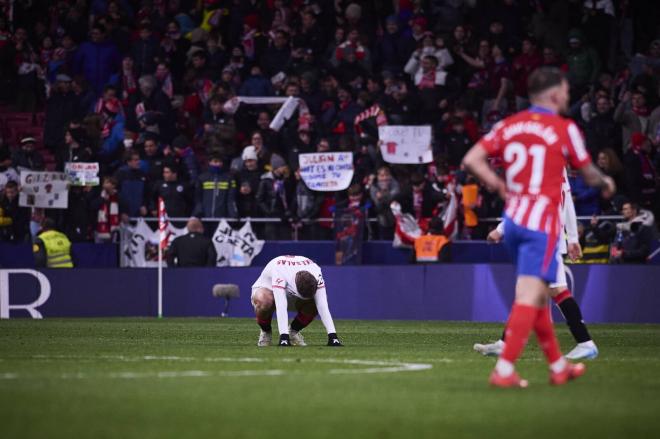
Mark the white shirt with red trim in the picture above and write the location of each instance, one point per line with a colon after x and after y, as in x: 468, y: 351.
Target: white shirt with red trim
x: 279, y: 275
x: 535, y: 147
x: 568, y: 218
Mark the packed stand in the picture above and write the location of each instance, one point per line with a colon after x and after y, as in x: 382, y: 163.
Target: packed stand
x: 148, y: 90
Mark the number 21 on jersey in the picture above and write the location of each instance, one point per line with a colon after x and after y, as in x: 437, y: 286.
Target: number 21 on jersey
x: 517, y: 157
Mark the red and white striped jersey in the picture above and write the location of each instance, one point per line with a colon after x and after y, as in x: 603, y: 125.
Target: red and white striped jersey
x: 535, y: 146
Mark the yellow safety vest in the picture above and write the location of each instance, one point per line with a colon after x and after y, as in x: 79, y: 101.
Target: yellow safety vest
x: 58, y: 249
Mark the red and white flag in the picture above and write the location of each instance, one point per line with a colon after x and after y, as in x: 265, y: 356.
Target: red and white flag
x: 450, y: 213
x: 163, y: 225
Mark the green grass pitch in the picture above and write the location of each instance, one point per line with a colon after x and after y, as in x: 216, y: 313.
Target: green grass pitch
x: 184, y: 378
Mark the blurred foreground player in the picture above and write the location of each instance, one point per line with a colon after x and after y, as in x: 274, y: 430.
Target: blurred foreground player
x: 296, y: 283
x: 561, y: 295
x: 535, y: 146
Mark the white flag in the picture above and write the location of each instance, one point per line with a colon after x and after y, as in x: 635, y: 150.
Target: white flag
x: 236, y: 248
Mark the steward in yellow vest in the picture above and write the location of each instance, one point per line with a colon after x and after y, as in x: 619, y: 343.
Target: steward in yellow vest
x: 52, y: 249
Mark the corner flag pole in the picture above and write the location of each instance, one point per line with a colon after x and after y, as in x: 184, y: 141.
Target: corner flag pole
x: 162, y: 242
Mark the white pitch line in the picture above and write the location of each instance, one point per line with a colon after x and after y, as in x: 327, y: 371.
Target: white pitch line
x: 377, y: 366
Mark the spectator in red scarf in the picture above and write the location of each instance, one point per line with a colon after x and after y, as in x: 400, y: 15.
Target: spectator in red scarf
x: 362, y: 54
x: 107, y: 211
x: 128, y: 85
x: 633, y: 115
x: 420, y: 198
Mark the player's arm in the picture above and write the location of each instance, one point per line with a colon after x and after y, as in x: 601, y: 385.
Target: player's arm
x: 321, y: 301
x: 570, y: 224
x: 279, y: 294
x: 476, y: 161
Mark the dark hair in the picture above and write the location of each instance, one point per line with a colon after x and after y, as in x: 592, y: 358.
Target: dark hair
x: 433, y: 59
x: 128, y: 156
x: 11, y: 184
x: 355, y: 189
x: 416, y: 179
x: 543, y: 79
x: 171, y: 167
x: 306, y: 284
x: 112, y: 180
x: 48, y: 224
x: 215, y: 156
x: 633, y: 205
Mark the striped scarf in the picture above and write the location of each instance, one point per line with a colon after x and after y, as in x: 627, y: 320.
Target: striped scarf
x: 108, y: 217
x: 373, y: 111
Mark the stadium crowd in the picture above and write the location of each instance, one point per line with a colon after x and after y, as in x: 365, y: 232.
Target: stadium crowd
x: 146, y: 89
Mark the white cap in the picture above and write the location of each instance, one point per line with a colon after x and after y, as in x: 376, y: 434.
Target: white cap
x: 249, y: 153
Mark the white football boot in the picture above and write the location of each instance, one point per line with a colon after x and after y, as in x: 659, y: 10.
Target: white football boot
x: 265, y: 339
x: 489, y: 349
x: 583, y: 351
x: 296, y: 338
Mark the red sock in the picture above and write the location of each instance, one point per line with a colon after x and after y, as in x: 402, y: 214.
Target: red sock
x: 265, y: 323
x: 301, y: 321
x: 521, y: 322
x: 545, y: 333
x: 559, y: 298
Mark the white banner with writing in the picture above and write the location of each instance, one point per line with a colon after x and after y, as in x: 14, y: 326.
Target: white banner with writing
x: 326, y: 171
x: 404, y: 144
x: 49, y: 190
x: 82, y: 173
x: 139, y: 244
x: 236, y: 248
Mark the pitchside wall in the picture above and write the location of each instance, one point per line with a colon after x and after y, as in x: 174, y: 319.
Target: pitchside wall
x: 478, y: 292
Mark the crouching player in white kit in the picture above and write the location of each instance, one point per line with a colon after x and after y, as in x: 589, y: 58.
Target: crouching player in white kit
x: 296, y: 283
x: 586, y: 348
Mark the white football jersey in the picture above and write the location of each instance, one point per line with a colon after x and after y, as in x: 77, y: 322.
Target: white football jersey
x: 280, y: 273
x: 279, y: 276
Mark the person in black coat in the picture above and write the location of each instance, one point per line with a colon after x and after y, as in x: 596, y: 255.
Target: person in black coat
x: 601, y: 131
x: 145, y: 51
x: 421, y: 198
x: 248, y: 184
x: 275, y: 198
x: 176, y: 194
x: 154, y: 100
x: 18, y: 228
x: 27, y: 156
x: 276, y: 58
x: 192, y: 249
x: 61, y: 108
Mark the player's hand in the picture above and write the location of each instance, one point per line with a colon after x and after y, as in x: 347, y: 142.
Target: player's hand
x: 574, y: 251
x: 609, y: 188
x: 333, y: 340
x: 284, y: 340
x: 494, y: 236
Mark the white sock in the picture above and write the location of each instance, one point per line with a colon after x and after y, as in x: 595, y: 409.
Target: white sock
x: 504, y: 367
x: 587, y: 344
x: 558, y: 365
